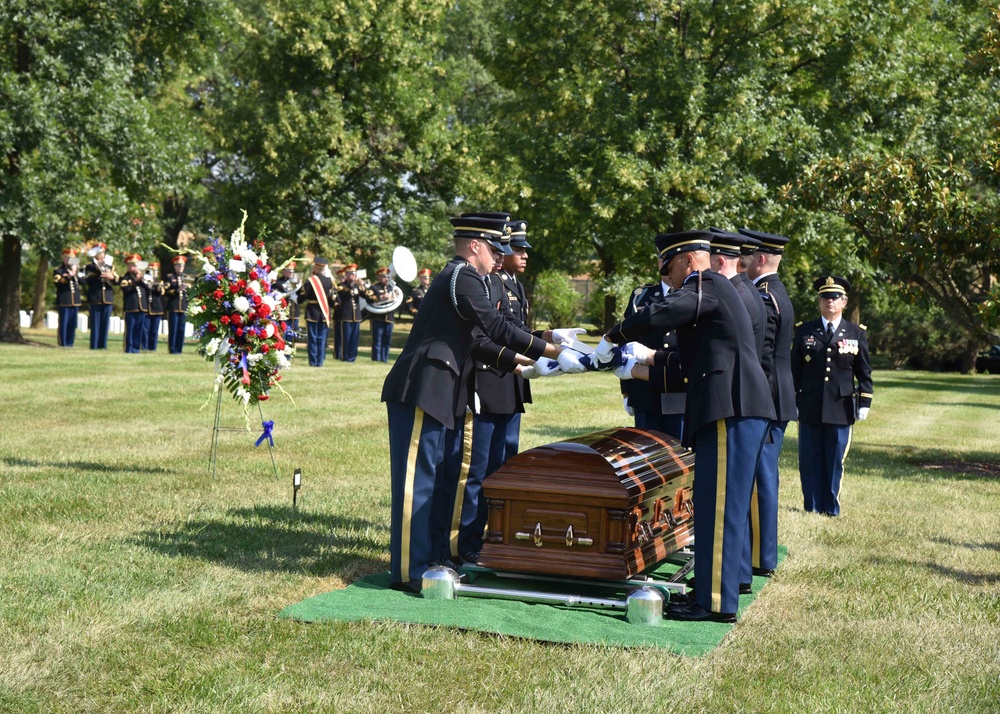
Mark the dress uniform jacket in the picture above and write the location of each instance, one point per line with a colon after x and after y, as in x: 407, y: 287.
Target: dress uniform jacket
x: 434, y: 370
x: 717, y: 350
x: 307, y: 294
x: 825, y: 372
x: 755, y: 306
x: 135, y: 293
x: 413, y: 301
x: 67, y: 287
x: 284, y: 286
x: 377, y: 293
x: 176, y: 293
x: 664, y: 393
x: 778, y: 345
x: 155, y: 296
x: 348, y: 303
x: 99, y: 290
x: 500, y: 390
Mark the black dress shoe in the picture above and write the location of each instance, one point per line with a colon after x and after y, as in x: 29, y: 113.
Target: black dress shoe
x: 470, y: 558
x: 446, y: 562
x: 696, y: 613
x: 411, y: 587
x: 746, y: 588
x: 764, y: 572
x: 677, y: 599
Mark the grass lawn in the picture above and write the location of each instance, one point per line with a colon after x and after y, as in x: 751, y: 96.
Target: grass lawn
x: 131, y: 581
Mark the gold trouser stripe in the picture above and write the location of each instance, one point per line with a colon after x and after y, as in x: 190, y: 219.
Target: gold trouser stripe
x: 850, y: 438
x: 720, y: 515
x: 754, y: 529
x: 463, y: 476
x: 411, y: 470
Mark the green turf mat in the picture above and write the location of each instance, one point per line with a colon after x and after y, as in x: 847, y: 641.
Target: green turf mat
x: 371, y: 599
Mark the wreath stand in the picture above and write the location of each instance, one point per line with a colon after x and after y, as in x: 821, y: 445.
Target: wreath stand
x: 213, y: 458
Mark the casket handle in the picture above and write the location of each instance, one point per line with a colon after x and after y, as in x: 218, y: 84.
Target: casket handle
x: 536, y: 536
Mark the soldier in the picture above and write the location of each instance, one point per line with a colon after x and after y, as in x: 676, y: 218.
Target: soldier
x: 427, y: 397
x: 135, y: 301
x: 316, y: 295
x: 829, y: 356
x: 348, y: 312
x: 417, y: 294
x: 151, y: 330
x: 68, y: 297
x: 761, y: 555
x: 656, y: 398
x: 381, y: 323
x: 728, y: 410
x: 100, y: 278
x: 726, y: 251
x: 175, y: 291
x: 286, y: 285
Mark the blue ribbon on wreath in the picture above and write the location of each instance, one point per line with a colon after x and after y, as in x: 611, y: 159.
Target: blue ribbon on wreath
x: 268, y: 428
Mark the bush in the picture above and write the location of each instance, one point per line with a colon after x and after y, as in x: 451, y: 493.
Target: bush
x: 556, y: 300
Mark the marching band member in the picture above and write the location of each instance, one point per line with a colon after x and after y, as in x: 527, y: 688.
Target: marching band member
x: 381, y: 323
x: 151, y: 330
x: 135, y: 301
x: 175, y: 291
x: 286, y: 285
x: 317, y: 294
x: 68, y: 297
x: 417, y: 294
x: 100, y: 278
x: 338, y: 330
x: 348, y: 312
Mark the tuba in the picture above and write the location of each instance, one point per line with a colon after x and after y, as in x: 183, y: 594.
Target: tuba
x: 403, y: 266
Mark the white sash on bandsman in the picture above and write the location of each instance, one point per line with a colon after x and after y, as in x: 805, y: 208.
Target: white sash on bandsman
x: 320, y: 292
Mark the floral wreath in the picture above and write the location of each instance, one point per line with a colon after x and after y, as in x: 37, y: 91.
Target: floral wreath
x: 240, y: 322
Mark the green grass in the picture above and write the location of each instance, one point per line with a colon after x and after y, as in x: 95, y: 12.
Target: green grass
x: 131, y: 581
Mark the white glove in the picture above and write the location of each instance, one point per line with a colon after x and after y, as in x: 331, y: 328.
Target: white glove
x: 604, y: 351
x: 863, y: 413
x: 547, y: 367
x: 476, y: 395
x: 569, y: 362
x: 642, y: 354
x: 529, y: 372
x: 625, y: 371
x: 628, y: 410
x: 567, y: 335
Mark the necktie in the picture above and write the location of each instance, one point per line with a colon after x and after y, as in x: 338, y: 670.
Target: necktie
x: 829, y: 331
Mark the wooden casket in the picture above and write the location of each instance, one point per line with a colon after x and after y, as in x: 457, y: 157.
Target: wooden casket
x: 607, y: 505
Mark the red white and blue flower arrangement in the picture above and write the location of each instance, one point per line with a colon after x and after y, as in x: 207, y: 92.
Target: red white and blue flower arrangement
x: 240, y: 322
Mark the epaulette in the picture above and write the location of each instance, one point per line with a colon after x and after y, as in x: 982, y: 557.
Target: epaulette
x: 798, y: 323
x: 762, y: 286
x: 639, y: 290
x: 863, y: 327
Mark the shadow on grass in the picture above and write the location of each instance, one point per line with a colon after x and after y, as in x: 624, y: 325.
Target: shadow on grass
x: 277, y: 539
x: 964, y: 577
x: 960, y: 384
x: 900, y: 463
x: 84, y: 466
x: 967, y: 544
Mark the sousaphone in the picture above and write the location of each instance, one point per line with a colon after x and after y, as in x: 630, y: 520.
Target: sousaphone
x: 404, y: 267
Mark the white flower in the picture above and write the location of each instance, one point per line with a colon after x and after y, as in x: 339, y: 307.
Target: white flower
x: 195, y: 309
x: 282, y: 360
x: 269, y: 301
x: 207, y: 266
x: 241, y: 304
x: 243, y: 394
x: 269, y: 329
x: 254, y: 358
x: 255, y: 286
x: 248, y: 256
x: 213, y: 346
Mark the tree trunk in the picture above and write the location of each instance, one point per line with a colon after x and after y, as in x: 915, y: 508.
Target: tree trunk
x: 969, y: 357
x: 41, y: 283
x: 610, y: 312
x: 10, y: 291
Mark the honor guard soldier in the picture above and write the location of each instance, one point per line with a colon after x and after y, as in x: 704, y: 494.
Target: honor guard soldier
x: 135, y: 301
x: 100, y: 278
x: 728, y: 410
x: 175, y: 291
x: 151, y: 331
x: 348, y: 313
x: 726, y: 251
x: 381, y: 323
x: 286, y: 285
x: 829, y: 357
x: 417, y: 294
x: 68, y: 297
x: 427, y: 397
x: 316, y: 295
x: 761, y: 555
x: 657, y: 400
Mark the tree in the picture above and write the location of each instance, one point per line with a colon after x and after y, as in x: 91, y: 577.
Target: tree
x: 77, y: 88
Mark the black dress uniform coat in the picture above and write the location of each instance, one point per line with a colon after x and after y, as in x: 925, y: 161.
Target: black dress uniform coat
x: 99, y: 290
x: 348, y: 308
x: 377, y: 293
x: 176, y: 293
x: 67, y: 287
x: 717, y: 350
x: 778, y: 345
x: 664, y: 393
x: 155, y: 296
x: 307, y: 296
x: 434, y: 370
x: 825, y: 372
x: 755, y: 306
x: 414, y: 300
x: 135, y: 293
x: 500, y: 390
x: 285, y: 286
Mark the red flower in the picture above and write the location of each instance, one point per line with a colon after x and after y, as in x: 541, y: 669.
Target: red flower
x: 284, y: 303
x: 263, y: 397
x: 212, y: 327
x: 207, y: 249
x: 257, y: 300
x: 265, y: 349
x: 251, y: 316
x: 224, y: 319
x: 239, y: 332
x: 233, y: 288
x: 218, y: 294
x: 263, y: 311
x: 236, y: 320
x: 279, y: 345
x: 232, y: 341
x: 242, y: 283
